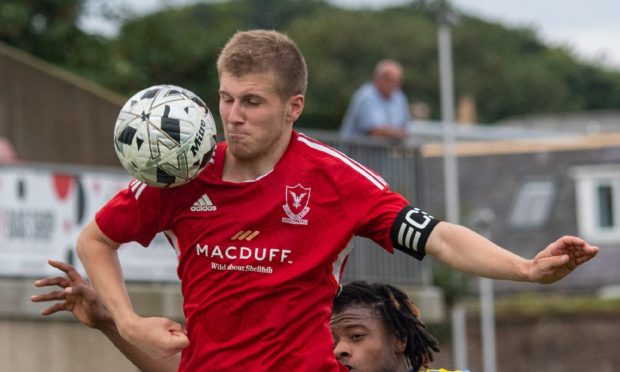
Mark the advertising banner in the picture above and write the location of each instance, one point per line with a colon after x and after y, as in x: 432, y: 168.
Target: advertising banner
x: 43, y: 210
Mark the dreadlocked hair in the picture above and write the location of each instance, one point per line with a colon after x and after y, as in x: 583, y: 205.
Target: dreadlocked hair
x: 398, y: 314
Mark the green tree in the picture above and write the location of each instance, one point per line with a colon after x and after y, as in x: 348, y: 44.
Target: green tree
x: 180, y: 46
x: 343, y: 46
x: 48, y: 29
x: 509, y: 71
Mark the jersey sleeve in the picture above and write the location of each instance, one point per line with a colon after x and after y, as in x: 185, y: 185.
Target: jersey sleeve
x: 385, y: 216
x: 367, y: 200
x: 381, y: 209
x: 134, y: 214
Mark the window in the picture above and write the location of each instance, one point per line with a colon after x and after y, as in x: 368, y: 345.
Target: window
x: 605, y: 203
x: 597, y: 189
x: 532, y: 204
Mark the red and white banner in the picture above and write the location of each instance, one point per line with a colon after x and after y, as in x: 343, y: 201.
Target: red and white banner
x: 43, y: 210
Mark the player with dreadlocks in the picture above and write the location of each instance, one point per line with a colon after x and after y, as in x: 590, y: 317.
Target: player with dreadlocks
x: 376, y: 328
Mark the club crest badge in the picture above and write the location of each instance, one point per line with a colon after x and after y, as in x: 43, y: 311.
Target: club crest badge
x: 296, y: 207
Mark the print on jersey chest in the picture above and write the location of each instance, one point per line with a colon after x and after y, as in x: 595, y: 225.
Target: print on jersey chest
x: 256, y: 242
x: 203, y: 204
x: 296, y: 204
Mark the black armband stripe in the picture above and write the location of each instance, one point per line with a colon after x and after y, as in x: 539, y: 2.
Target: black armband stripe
x: 411, y: 230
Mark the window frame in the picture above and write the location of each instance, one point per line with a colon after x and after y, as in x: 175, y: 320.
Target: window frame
x: 588, y: 181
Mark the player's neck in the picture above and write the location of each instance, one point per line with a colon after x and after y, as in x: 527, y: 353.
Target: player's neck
x: 237, y: 169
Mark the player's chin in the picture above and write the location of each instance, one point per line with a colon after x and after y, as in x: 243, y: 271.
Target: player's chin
x: 241, y: 150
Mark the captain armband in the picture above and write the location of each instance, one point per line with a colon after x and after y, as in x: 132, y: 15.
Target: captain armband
x: 411, y: 230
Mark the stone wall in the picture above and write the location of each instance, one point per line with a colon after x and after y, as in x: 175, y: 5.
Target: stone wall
x: 30, y: 342
x: 552, y: 343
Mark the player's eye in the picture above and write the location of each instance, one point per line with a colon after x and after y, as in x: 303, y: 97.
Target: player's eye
x: 253, y: 102
x: 226, y: 98
x: 357, y: 337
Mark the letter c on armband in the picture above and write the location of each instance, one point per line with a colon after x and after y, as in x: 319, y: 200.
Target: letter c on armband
x: 411, y: 230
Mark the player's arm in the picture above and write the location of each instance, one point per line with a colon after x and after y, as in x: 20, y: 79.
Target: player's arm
x: 140, y: 359
x: 417, y: 233
x: 470, y: 252
x: 78, y: 297
x: 158, y: 337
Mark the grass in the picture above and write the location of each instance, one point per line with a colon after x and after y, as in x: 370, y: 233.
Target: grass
x: 533, y: 304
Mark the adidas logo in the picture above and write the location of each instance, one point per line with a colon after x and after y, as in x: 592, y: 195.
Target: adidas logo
x: 203, y: 205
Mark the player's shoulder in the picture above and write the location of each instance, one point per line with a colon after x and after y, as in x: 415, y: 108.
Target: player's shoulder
x: 334, y: 162
x: 141, y: 192
x: 320, y: 155
x: 313, y: 149
x: 136, y: 189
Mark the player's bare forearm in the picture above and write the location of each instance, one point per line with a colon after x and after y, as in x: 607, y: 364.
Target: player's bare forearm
x: 79, y: 298
x: 100, y: 259
x: 159, y: 338
x: 467, y: 251
x: 470, y: 252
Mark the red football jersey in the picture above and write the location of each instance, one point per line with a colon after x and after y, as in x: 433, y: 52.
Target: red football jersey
x: 260, y: 261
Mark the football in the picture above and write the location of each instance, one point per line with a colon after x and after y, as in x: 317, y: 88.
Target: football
x: 164, y: 135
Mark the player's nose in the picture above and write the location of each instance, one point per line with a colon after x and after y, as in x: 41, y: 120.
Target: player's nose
x: 235, y: 113
x: 342, y: 351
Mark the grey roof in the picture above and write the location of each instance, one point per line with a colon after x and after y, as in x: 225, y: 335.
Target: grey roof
x: 432, y: 131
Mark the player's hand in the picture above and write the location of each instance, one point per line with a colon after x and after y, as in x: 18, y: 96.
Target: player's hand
x: 158, y: 337
x: 559, y: 259
x: 77, y: 296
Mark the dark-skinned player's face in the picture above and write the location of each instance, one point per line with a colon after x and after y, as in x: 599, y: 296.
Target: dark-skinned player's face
x: 362, y: 343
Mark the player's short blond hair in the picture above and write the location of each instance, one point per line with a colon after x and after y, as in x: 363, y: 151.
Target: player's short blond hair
x: 264, y: 51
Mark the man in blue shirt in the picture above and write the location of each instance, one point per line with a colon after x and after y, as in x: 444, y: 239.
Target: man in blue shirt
x: 378, y: 108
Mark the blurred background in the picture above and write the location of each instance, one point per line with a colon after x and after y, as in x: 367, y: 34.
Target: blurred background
x: 527, y: 149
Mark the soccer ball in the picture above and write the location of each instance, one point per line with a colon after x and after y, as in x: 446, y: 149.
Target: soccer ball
x: 164, y: 135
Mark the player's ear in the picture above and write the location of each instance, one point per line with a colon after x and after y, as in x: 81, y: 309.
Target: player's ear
x: 294, y: 107
x: 400, y: 345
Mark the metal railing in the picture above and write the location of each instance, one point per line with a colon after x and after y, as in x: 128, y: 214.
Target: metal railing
x: 398, y: 162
